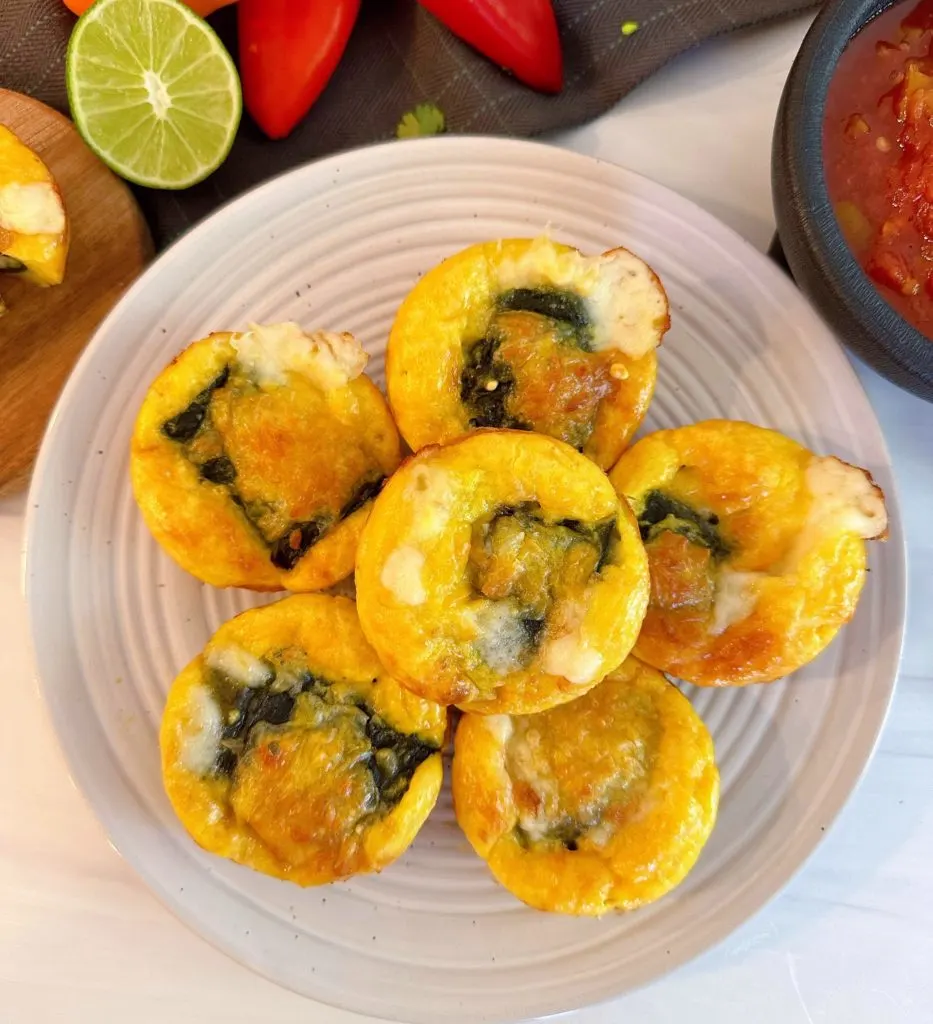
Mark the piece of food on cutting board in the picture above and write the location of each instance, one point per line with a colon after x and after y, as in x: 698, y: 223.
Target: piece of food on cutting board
x: 33, y: 222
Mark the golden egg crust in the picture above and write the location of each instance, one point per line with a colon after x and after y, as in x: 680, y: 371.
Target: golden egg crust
x: 756, y: 548
x: 28, y: 193
x: 287, y: 748
x: 522, y: 334
x: 600, y: 804
x: 501, y: 573
x: 259, y: 482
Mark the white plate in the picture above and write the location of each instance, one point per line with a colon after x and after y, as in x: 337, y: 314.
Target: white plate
x: 338, y: 244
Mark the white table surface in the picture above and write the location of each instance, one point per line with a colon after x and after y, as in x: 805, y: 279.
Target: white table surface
x: 851, y: 939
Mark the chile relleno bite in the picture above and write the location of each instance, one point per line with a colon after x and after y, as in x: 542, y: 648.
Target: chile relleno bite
x: 500, y: 573
x: 256, y: 456
x: 756, y: 548
x: 33, y: 226
x: 287, y: 748
x: 600, y: 804
x: 528, y: 334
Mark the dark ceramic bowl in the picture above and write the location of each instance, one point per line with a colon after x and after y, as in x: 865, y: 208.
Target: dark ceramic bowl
x: 817, y: 254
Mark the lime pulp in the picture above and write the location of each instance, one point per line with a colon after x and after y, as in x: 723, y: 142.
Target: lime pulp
x: 153, y: 91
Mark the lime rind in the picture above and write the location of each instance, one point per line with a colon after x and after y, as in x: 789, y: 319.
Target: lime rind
x: 153, y: 91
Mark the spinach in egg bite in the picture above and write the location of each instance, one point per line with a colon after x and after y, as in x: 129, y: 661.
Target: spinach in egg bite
x: 287, y: 748
x: 256, y: 457
x: 600, y: 804
x: 501, y: 573
x: 756, y: 548
x: 528, y: 334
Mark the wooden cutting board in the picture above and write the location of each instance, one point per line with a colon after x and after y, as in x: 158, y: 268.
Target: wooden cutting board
x: 45, y: 329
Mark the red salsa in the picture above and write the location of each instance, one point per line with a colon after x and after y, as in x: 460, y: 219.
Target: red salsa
x: 878, y: 155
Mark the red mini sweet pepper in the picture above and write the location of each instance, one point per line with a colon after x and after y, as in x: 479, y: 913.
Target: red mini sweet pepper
x: 288, y: 51
x: 520, y: 35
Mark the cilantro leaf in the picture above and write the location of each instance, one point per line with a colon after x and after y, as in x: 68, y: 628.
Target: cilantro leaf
x: 425, y: 119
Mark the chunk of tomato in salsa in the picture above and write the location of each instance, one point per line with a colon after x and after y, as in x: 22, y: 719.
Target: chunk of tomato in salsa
x: 878, y: 155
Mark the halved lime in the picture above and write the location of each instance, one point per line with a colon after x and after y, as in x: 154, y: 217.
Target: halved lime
x: 153, y: 91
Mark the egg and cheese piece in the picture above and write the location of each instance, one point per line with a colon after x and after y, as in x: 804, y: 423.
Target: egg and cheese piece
x: 256, y: 456
x: 33, y: 225
x: 287, y: 748
x: 601, y: 804
x: 756, y: 548
x: 528, y: 334
x: 501, y: 573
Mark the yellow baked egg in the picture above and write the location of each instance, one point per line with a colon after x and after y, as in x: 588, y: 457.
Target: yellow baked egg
x: 33, y: 222
x: 756, y: 548
x: 528, y: 334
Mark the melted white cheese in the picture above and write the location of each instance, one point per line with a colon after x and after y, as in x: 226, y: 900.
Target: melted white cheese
x: 845, y: 496
x: 267, y: 353
x: 199, y: 744
x: 32, y: 209
x: 502, y: 641
x: 572, y: 657
x: 600, y: 834
x: 529, y: 765
x: 432, y: 496
x: 500, y: 726
x: 735, y: 599
x: 239, y: 665
x: 401, y: 575
x: 536, y: 826
x: 626, y: 303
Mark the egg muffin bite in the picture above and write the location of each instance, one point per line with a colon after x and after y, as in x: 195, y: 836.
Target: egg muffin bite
x: 601, y: 804
x: 528, y: 334
x: 256, y: 457
x: 33, y: 224
x: 756, y: 548
x: 501, y: 573
x: 286, y: 746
